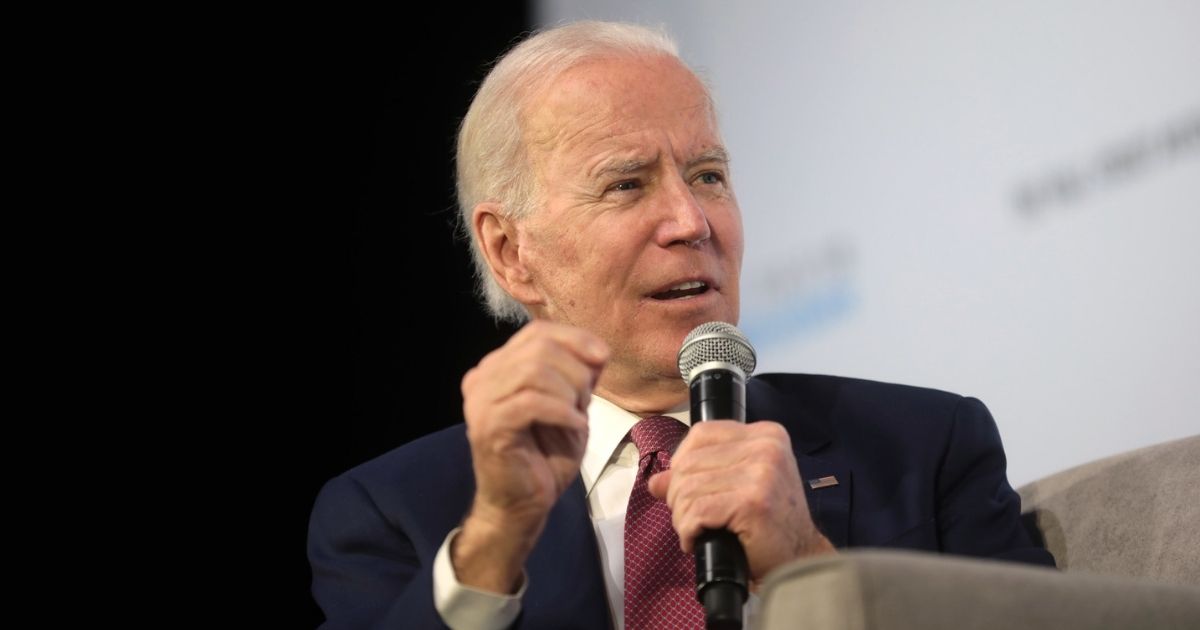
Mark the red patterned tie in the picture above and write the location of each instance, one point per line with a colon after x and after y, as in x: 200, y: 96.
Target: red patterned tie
x: 660, y: 580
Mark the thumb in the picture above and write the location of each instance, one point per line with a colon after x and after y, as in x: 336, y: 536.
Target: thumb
x: 658, y: 484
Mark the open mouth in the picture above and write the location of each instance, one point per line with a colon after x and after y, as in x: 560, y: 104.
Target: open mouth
x: 682, y: 291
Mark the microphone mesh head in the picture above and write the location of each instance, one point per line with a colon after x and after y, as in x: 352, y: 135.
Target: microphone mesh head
x: 716, y: 341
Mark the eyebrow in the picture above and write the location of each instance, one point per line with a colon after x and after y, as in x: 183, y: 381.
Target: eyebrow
x: 715, y: 154
x: 629, y: 166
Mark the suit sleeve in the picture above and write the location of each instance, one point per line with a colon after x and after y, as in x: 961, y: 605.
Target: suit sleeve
x: 366, y: 572
x: 979, y: 513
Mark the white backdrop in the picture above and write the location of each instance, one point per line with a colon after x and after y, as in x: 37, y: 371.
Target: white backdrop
x: 997, y: 199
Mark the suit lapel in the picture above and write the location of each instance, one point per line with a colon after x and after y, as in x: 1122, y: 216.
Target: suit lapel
x: 566, y: 581
x: 808, y: 423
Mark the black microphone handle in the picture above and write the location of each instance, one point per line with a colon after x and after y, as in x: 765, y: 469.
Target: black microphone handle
x: 721, y: 569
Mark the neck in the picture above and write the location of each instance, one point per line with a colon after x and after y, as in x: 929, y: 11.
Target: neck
x: 642, y: 395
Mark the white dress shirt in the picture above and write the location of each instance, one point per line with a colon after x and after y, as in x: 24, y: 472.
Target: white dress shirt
x: 609, y: 467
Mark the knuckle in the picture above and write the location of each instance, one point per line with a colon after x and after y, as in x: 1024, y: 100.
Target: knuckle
x: 531, y: 371
x: 681, y: 490
x: 681, y: 463
x: 551, y: 374
x: 762, y: 473
x: 492, y: 357
x: 682, y: 521
x: 710, y: 512
x: 468, y: 379
x: 475, y: 430
x: 700, y: 431
x: 770, y: 455
x: 772, y: 429
x: 526, y: 399
x: 533, y: 328
x: 540, y: 340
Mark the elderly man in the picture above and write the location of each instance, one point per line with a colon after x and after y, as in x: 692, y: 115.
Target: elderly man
x: 597, y: 194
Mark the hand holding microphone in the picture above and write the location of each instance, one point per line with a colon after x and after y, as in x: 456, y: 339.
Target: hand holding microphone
x: 734, y: 489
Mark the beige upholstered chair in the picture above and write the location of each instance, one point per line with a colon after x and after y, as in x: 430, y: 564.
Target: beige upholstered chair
x: 1125, y: 531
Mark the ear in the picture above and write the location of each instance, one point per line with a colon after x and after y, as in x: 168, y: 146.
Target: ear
x: 499, y: 238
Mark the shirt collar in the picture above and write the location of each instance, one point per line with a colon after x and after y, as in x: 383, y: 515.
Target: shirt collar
x: 608, y: 429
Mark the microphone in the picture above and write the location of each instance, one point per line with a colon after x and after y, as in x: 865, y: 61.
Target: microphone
x: 715, y: 360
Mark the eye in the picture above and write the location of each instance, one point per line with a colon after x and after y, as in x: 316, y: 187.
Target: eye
x: 711, y: 178
x: 626, y: 185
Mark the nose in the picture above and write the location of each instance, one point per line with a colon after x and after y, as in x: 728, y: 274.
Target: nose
x: 685, y: 220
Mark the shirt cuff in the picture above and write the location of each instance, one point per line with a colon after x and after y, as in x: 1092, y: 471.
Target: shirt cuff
x: 462, y: 607
x: 751, y: 609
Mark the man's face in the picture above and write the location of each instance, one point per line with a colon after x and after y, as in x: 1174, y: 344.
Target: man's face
x: 637, y: 237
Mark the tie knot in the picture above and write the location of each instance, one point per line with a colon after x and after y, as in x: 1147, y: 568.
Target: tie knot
x: 657, y: 434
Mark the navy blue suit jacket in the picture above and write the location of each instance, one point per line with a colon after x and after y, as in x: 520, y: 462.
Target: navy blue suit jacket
x: 916, y: 468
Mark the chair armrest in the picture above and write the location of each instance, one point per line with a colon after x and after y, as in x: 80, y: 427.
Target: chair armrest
x: 886, y: 590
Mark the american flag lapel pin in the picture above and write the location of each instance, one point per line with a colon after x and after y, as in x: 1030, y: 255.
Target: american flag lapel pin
x: 822, y: 482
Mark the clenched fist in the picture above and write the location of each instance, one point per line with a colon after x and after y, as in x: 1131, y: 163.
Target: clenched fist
x: 525, y: 406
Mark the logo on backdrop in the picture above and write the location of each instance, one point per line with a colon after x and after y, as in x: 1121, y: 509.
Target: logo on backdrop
x: 1118, y: 163
x: 802, y: 294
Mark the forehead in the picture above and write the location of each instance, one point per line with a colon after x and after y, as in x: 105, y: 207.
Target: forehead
x: 621, y: 104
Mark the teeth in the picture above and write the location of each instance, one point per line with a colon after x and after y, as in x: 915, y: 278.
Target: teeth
x: 682, y: 291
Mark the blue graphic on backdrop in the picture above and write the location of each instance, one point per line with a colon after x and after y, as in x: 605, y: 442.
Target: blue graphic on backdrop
x: 802, y: 295
x: 803, y: 316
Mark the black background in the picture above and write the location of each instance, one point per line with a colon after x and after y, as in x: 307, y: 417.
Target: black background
x: 379, y: 321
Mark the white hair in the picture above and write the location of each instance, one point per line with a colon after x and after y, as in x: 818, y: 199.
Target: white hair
x: 491, y: 160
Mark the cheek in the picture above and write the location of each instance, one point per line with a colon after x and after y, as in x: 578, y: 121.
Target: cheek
x: 550, y: 248
x: 556, y: 259
x: 727, y: 224
x: 612, y: 248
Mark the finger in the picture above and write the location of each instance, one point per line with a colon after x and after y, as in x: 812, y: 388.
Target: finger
x: 569, y: 380
x: 686, y: 488
x: 722, y: 457
x: 732, y: 447
x: 711, y: 433
x: 486, y: 389
x: 709, y: 512
x: 525, y: 409
x: 726, y: 431
x: 734, y: 497
x: 538, y: 363
x: 733, y: 457
x: 658, y: 485
x: 580, y: 375
x: 555, y: 442
x: 586, y: 345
